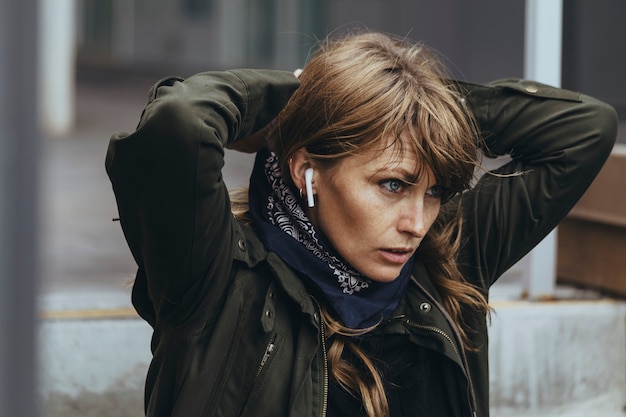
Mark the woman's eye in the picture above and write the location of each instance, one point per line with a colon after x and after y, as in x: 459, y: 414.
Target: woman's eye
x: 392, y: 185
x: 436, y: 191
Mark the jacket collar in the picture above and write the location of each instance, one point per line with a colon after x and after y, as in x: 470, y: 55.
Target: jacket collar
x: 256, y: 253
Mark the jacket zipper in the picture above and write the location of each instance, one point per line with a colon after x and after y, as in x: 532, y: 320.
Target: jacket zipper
x: 461, y: 353
x: 325, y: 359
x: 264, y: 360
x: 325, y: 400
x: 451, y: 341
x: 268, y: 351
x: 435, y: 330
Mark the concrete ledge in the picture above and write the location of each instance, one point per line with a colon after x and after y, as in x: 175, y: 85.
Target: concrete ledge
x: 550, y: 355
x: 93, y: 363
x: 598, y: 407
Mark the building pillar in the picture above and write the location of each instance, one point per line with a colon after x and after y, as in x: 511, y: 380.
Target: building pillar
x: 19, y: 256
x: 57, y: 77
x: 542, y: 63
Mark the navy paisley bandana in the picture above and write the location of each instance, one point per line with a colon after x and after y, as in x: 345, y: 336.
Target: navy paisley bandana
x: 285, y: 229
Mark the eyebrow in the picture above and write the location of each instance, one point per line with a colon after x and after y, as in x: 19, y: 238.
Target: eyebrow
x: 411, y: 177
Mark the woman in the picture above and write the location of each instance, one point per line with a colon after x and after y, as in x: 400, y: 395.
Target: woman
x: 355, y: 280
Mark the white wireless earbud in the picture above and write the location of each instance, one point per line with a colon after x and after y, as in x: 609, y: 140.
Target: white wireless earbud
x: 308, y: 182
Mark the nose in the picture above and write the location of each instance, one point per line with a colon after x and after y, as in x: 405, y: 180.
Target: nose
x: 412, y: 220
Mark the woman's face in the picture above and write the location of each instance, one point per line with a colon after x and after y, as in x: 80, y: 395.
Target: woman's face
x: 375, y: 210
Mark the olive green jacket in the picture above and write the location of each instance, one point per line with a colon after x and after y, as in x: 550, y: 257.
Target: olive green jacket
x: 235, y: 331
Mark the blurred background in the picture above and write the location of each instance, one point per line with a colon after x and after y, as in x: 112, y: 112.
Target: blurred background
x: 75, y: 71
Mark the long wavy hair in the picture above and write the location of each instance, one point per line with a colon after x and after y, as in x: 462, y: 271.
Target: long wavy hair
x: 357, y: 93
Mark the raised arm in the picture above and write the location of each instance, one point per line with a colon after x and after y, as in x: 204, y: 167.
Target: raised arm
x: 558, y: 141
x: 172, y: 201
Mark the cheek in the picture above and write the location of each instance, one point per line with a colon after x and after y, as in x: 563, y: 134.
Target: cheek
x: 362, y: 208
x: 432, y: 214
x: 350, y: 213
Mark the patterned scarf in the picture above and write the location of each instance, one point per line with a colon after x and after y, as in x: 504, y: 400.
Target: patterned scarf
x: 285, y: 229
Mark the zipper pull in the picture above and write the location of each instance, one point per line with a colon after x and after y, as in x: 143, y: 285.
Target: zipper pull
x: 268, y: 352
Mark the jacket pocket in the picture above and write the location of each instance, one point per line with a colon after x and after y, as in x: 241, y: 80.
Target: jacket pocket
x: 266, y: 362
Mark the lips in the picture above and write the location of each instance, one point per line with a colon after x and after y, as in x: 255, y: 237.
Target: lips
x: 397, y: 255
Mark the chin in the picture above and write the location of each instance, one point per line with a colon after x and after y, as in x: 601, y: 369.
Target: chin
x: 384, y: 276
x: 379, y: 272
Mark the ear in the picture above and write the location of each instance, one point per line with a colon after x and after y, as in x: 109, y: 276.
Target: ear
x: 299, y: 163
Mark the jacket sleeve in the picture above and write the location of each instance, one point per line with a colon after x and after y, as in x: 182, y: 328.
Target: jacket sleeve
x: 173, y: 205
x: 557, y: 141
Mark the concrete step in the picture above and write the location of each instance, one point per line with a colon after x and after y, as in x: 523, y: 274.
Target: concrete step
x: 560, y: 358
x: 94, y: 353
x: 548, y: 359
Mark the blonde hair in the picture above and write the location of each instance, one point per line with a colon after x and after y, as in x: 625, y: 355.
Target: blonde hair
x: 357, y: 93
